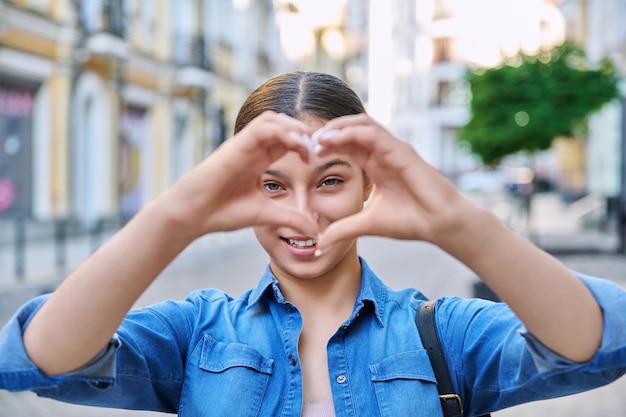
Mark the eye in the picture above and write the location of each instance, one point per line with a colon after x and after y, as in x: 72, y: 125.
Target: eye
x: 331, y: 182
x: 272, y: 187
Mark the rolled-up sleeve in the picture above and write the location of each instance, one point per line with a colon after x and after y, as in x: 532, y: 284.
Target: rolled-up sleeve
x: 611, y: 355
x: 497, y: 363
x: 612, y: 300
x: 129, y: 372
x: 19, y: 373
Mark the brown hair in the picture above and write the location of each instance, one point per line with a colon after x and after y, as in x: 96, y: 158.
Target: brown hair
x: 298, y: 94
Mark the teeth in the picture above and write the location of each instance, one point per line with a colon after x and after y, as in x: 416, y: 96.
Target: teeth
x: 302, y: 243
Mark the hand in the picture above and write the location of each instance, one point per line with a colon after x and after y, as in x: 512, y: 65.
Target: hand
x: 224, y: 191
x: 411, y: 200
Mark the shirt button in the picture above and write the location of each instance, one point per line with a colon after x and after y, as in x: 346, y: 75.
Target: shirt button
x: 292, y: 360
x: 341, y: 379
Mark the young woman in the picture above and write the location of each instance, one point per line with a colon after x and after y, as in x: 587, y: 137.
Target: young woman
x: 320, y: 334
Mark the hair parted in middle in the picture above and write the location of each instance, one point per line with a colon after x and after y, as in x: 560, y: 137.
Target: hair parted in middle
x: 299, y: 94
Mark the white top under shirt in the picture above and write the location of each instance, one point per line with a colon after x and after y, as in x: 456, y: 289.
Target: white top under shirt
x: 324, y: 408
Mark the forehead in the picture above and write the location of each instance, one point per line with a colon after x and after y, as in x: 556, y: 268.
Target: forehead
x: 312, y: 122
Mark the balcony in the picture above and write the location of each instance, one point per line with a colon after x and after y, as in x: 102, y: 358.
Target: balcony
x: 194, y: 66
x: 104, y: 24
x: 107, y: 16
x: 190, y: 51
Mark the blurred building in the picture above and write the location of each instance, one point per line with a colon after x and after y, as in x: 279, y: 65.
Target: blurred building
x: 435, y: 42
x: 598, y: 25
x: 431, y: 100
x: 105, y: 103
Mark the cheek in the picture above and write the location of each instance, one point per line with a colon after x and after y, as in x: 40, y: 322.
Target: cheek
x: 262, y: 234
x: 338, y: 208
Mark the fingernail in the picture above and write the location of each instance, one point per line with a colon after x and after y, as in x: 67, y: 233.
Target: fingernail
x: 329, y: 134
x: 311, y: 142
x: 317, y: 149
x: 295, y: 136
x: 318, y: 251
x: 302, y: 138
x: 317, y: 134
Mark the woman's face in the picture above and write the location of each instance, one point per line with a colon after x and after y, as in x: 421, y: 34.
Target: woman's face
x: 329, y: 188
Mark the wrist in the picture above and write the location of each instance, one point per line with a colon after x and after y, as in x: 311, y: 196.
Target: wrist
x: 468, y: 227
x: 173, y: 220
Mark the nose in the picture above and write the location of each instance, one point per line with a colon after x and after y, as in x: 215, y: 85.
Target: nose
x: 304, y: 202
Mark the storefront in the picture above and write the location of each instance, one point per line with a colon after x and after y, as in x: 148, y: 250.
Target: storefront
x: 16, y: 114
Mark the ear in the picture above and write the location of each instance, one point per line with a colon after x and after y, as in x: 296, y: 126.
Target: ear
x: 368, y: 187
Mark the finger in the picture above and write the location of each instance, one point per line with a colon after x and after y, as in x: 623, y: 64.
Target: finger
x: 278, y: 214
x: 347, y: 228
x: 299, y: 128
x: 289, y: 122
x: 349, y: 120
x: 290, y: 138
x: 343, y: 142
x: 359, y: 140
x: 266, y: 140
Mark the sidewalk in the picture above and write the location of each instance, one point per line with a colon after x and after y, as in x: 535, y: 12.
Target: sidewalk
x: 42, y: 274
x: 558, y: 229
x: 554, y: 227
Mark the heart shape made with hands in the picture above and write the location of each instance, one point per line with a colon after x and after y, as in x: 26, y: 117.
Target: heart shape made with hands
x: 314, y: 147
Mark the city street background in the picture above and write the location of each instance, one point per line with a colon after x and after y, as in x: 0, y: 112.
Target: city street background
x: 234, y: 262
x: 106, y: 103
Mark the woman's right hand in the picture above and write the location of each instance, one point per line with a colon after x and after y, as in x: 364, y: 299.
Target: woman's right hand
x: 224, y: 192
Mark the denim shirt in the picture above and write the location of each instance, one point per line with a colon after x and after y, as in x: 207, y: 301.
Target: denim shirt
x: 214, y: 355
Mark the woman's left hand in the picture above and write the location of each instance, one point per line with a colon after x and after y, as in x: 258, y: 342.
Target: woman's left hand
x: 412, y: 200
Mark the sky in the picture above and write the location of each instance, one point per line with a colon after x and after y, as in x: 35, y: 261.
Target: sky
x: 486, y: 33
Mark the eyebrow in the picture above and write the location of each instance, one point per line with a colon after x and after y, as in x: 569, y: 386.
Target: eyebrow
x: 331, y: 164
x: 317, y: 170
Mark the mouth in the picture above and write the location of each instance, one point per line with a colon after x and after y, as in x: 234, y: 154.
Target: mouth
x: 301, y: 243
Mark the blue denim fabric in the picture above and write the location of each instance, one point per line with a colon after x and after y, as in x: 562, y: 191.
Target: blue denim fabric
x: 215, y: 355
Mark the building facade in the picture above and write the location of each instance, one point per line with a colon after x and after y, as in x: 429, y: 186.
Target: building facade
x: 598, y: 25
x: 431, y: 99
x: 432, y: 45
x: 105, y: 103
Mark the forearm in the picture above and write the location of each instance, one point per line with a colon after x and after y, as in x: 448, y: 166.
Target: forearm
x: 84, y: 312
x: 553, y: 304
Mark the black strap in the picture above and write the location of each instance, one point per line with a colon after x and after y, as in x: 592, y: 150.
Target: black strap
x: 451, y: 403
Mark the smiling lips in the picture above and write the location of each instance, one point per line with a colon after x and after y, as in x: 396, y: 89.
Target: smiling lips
x: 301, y: 246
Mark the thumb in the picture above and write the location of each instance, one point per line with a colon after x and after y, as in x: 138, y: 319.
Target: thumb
x: 347, y: 228
x: 283, y: 215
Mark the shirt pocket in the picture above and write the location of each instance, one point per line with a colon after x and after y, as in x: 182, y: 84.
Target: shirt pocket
x: 231, y: 380
x: 405, y: 385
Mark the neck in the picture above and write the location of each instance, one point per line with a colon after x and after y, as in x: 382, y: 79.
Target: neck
x: 330, y: 294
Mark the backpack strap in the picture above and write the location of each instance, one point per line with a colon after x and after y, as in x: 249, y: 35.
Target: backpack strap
x: 451, y: 403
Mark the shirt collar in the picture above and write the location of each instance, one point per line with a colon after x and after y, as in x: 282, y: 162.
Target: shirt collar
x: 372, y: 291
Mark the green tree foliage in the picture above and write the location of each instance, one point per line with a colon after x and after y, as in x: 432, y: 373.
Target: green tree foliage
x: 526, y: 103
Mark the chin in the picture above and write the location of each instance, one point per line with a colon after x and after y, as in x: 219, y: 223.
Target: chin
x: 309, y: 269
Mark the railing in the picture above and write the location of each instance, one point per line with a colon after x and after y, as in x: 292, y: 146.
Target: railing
x: 115, y: 17
x: 102, y: 16
x: 191, y: 51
